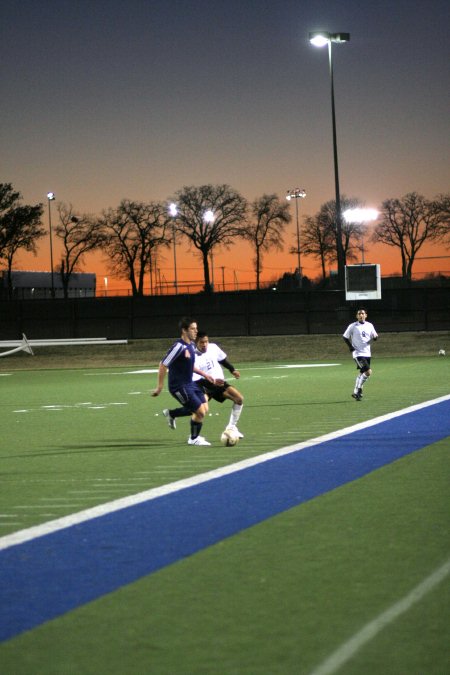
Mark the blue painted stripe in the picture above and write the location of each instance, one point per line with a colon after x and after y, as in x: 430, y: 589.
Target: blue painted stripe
x: 53, y: 574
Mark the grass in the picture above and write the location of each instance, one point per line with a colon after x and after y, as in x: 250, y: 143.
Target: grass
x: 87, y: 436
x: 240, y: 350
x: 276, y: 598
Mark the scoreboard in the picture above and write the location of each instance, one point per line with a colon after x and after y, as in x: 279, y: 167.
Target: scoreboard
x: 362, y: 282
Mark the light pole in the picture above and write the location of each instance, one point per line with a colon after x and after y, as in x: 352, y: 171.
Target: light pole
x: 173, y: 212
x: 50, y: 198
x: 209, y: 218
x: 297, y: 194
x: 320, y: 39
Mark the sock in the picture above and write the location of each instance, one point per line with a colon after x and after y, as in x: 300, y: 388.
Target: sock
x: 179, y: 412
x: 362, y: 379
x: 235, y: 414
x: 359, y: 383
x: 196, y: 427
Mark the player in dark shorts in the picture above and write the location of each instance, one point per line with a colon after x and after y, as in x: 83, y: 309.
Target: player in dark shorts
x: 179, y: 362
x: 358, y: 337
x: 211, y: 359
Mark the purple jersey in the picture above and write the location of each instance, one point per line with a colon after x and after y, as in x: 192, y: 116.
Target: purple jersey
x: 180, y: 360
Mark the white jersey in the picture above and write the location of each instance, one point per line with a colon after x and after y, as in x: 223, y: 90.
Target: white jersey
x: 361, y: 335
x: 209, y: 362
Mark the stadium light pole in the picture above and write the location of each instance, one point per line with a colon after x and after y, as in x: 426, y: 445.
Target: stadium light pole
x: 360, y: 216
x: 320, y: 39
x: 209, y: 218
x: 297, y: 193
x: 51, y: 198
x: 173, y: 211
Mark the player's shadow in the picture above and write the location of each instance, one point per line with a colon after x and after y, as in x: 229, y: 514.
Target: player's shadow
x: 285, y: 404
x: 87, y: 448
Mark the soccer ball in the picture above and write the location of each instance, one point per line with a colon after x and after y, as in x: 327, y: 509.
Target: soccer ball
x: 442, y: 352
x: 229, y: 438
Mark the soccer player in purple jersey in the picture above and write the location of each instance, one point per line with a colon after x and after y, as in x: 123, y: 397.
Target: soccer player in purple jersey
x: 179, y: 362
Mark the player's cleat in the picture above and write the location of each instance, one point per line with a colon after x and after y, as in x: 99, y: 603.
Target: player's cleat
x: 360, y: 392
x: 200, y: 440
x: 233, y: 427
x: 170, y: 420
x: 357, y: 397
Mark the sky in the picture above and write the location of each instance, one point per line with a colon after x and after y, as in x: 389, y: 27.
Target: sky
x: 104, y: 100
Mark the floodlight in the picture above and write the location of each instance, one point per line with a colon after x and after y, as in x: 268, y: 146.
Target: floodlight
x: 360, y: 215
x: 320, y: 38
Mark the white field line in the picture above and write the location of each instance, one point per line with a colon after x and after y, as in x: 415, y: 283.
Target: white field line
x: 110, y: 507
x: 303, y: 365
x: 347, y: 650
x: 150, y: 371
x: 146, y: 371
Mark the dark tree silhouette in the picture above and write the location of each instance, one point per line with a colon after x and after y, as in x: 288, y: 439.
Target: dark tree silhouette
x: 80, y: 234
x: 407, y: 223
x: 20, y: 227
x: 319, y: 236
x: 210, y: 216
x: 317, y: 240
x: 265, y: 230
x: 133, y: 232
x: 442, y: 208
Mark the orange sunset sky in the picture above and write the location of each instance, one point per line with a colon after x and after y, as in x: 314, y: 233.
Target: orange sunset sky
x: 105, y: 100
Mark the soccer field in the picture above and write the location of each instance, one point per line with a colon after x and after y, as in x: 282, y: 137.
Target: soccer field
x: 278, y: 595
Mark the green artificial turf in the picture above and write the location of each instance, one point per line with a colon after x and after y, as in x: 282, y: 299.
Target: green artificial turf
x: 277, y: 598
x: 72, y: 439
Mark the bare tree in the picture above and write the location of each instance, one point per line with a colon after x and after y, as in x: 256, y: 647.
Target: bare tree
x: 80, y: 234
x: 266, y: 228
x: 20, y: 227
x: 210, y: 216
x: 317, y: 240
x: 133, y: 232
x: 407, y: 223
x: 351, y: 232
x: 319, y: 237
x: 442, y: 207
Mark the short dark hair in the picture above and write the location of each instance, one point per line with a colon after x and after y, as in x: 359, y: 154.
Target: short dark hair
x: 185, y: 322
x: 361, y: 309
x: 201, y: 334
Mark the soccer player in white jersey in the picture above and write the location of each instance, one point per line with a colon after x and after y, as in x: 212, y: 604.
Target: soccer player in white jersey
x: 210, y: 358
x: 358, y: 338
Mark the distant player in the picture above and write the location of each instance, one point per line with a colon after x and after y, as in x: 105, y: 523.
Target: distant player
x: 358, y: 338
x: 180, y: 363
x: 210, y: 358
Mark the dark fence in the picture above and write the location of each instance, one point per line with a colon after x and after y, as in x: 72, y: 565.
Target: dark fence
x: 225, y: 314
